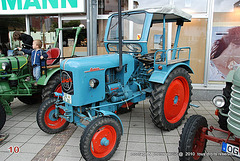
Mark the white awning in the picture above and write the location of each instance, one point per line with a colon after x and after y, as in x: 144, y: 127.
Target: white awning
x: 172, y: 14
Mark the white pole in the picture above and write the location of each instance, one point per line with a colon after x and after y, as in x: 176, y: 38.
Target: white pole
x: 209, y: 39
x: 130, y: 7
x: 60, y: 38
x: 27, y: 25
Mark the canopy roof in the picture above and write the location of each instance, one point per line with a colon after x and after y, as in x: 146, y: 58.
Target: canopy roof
x: 172, y: 14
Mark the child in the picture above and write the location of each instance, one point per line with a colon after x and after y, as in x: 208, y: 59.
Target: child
x: 36, y: 56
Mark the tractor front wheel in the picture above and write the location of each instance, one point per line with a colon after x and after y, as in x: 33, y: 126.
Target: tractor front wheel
x: 100, y: 139
x: 2, y: 116
x: 170, y: 101
x: 192, y: 144
x: 47, y: 120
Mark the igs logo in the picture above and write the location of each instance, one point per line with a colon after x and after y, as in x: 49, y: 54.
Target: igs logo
x: 67, y: 83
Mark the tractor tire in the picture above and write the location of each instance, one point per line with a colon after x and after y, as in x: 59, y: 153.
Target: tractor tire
x: 170, y: 101
x: 2, y: 116
x: 46, y: 119
x: 53, y: 85
x: 190, y: 145
x: 91, y: 144
x: 222, y: 120
x: 30, y: 100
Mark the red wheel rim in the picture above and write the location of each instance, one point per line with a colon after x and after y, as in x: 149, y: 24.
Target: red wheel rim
x: 198, y: 146
x: 58, y: 89
x: 51, y: 121
x: 176, y: 99
x: 108, y: 132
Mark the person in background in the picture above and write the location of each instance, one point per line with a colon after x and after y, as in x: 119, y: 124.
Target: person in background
x: 3, y: 49
x: 37, y: 55
x: 26, y: 39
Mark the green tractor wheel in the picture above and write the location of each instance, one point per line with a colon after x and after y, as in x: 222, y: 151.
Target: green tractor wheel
x: 30, y: 100
x: 2, y: 116
x: 53, y: 85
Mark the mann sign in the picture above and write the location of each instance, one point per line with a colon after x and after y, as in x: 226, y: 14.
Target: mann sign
x: 24, y: 7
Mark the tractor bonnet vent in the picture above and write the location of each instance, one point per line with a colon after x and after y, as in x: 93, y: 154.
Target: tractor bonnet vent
x: 110, y: 76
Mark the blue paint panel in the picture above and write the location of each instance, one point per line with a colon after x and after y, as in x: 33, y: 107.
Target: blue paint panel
x: 86, y: 68
x: 159, y: 76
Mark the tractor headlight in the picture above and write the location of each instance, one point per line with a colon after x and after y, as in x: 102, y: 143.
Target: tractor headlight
x: 5, y: 66
x: 219, y: 101
x: 93, y: 83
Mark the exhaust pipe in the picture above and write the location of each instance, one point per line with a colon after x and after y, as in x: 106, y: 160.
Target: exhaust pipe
x: 120, y: 35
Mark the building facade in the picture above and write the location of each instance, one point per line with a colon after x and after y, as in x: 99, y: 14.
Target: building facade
x: 212, y: 34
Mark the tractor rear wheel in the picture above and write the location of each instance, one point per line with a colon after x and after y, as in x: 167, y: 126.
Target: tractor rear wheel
x: 53, y: 85
x: 2, y: 116
x: 30, y: 100
x: 191, y: 144
x: 100, y: 139
x: 170, y: 101
x: 47, y: 120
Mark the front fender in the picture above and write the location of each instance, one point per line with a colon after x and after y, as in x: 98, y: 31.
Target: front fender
x: 43, y: 80
x: 159, y: 76
x: 113, y: 115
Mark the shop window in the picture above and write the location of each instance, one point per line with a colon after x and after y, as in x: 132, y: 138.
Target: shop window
x: 149, y: 3
x: 101, y: 32
x: 8, y: 25
x: 193, y: 34
x: 155, y: 37
x: 108, y: 6
x: 225, y: 45
x: 69, y: 38
x: 192, y: 6
x: 43, y: 28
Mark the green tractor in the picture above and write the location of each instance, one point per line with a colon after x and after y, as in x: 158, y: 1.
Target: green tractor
x: 16, y: 78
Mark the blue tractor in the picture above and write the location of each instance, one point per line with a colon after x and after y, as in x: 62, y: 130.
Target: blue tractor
x: 95, y: 87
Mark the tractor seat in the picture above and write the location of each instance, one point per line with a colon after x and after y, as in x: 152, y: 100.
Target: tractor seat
x: 53, y: 56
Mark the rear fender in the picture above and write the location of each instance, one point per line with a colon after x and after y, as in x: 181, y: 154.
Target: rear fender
x: 159, y: 76
x: 43, y: 80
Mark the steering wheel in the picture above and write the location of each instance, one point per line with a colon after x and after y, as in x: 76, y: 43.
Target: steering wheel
x: 16, y: 52
x: 132, y: 47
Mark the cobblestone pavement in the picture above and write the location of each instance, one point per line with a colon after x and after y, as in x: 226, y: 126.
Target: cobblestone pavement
x: 141, y: 141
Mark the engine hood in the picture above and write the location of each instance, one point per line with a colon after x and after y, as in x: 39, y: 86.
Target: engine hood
x: 93, y: 63
x: 81, y: 70
x: 15, y: 62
